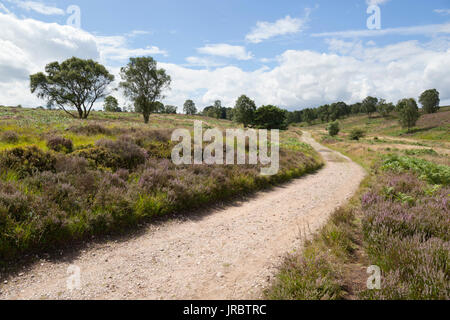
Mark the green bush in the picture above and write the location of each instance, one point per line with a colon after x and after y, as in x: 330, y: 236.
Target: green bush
x: 333, y: 128
x: 357, y: 134
x: 99, y: 157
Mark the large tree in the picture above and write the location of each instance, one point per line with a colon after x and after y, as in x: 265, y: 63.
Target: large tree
x: 408, y: 112
x: 73, y: 84
x: 430, y: 101
x: 144, y: 84
x: 385, y: 108
x: 189, y: 107
x: 369, y: 105
x: 244, y: 111
x: 270, y: 117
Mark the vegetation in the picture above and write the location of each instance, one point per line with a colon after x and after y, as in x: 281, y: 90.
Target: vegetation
x: 408, y: 113
x: 75, y: 83
x: 189, y: 107
x: 270, y: 117
x: 430, y: 101
x: 69, y: 180
x: 244, y: 111
x: 333, y: 128
x: 398, y: 220
x: 144, y: 84
x: 111, y: 105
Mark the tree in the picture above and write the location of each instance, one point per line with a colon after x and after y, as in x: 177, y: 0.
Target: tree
x: 430, y: 101
x: 111, y: 105
x: 73, y: 84
x: 244, y: 111
x: 309, y: 115
x: 384, y: 108
x: 333, y: 128
x: 270, y: 117
x: 170, y: 109
x: 408, y: 113
x: 356, y: 108
x: 144, y: 84
x: 369, y: 105
x: 189, y: 107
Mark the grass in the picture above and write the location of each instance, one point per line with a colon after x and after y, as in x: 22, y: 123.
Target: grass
x: 398, y: 220
x: 110, y: 173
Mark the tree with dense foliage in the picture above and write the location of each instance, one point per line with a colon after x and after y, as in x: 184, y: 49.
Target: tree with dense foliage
x: 270, y: 117
x: 333, y: 128
x: 430, y: 101
x: 244, y: 111
x: 384, y: 108
x: 144, y: 84
x: 408, y: 112
x: 73, y: 84
x: 111, y: 105
x: 309, y: 115
x: 169, y: 109
x: 369, y: 105
x: 189, y: 107
x: 356, y: 108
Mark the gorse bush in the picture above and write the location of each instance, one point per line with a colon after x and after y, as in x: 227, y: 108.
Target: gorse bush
x: 60, y: 144
x: 27, y: 160
x: 91, y: 129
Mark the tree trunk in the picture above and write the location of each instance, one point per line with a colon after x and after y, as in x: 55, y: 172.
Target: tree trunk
x: 146, y: 117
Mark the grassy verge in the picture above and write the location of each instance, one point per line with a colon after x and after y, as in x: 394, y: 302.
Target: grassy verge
x: 399, y: 220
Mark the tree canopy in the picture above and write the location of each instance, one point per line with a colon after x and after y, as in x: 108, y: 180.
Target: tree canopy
x: 144, y: 84
x: 369, y: 105
x: 430, y: 100
x: 73, y: 84
x: 270, y: 117
x: 189, y: 107
x: 244, y: 110
x: 408, y: 113
x: 111, y: 105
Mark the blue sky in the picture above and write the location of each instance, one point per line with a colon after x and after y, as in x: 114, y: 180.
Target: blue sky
x: 294, y: 54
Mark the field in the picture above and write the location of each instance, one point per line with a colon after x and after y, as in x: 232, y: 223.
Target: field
x: 65, y: 180
x: 399, y: 220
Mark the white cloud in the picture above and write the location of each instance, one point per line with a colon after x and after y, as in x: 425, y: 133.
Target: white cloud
x: 38, y: 7
x: 266, y: 30
x: 202, y: 62
x: 3, y: 8
x: 443, y: 12
x: 226, y: 50
x: 376, y: 2
x: 429, y: 30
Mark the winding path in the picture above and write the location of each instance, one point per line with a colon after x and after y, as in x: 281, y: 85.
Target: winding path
x: 229, y: 253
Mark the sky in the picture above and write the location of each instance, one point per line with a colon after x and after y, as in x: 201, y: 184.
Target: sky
x: 290, y: 53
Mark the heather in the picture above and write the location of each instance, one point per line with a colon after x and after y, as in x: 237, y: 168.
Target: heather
x: 406, y: 227
x: 113, y: 178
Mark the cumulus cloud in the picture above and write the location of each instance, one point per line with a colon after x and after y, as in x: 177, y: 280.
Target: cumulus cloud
x: 375, y: 2
x: 226, y: 50
x: 203, y: 62
x: 38, y: 7
x: 265, y: 30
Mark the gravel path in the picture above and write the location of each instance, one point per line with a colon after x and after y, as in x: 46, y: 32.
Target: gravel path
x: 229, y: 253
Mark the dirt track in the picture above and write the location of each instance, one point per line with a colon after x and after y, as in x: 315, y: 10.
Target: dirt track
x: 229, y: 253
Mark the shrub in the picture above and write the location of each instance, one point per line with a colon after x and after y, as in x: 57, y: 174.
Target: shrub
x: 333, y: 128
x: 27, y: 160
x: 60, y: 144
x: 10, y: 137
x: 99, y: 157
x: 130, y: 155
x: 357, y: 134
x: 91, y: 129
